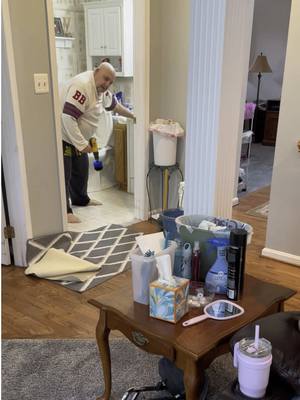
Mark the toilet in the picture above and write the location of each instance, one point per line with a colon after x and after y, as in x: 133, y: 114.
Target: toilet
x: 104, y: 179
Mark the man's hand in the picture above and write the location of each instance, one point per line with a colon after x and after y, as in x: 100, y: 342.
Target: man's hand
x: 87, y: 149
x: 124, y: 112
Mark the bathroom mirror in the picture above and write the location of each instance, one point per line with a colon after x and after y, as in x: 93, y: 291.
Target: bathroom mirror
x: 219, y: 309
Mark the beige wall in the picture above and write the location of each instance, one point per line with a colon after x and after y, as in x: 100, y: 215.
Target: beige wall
x: 284, y: 219
x: 169, y: 33
x: 31, y: 54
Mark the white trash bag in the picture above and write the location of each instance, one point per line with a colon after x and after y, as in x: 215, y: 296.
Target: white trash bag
x: 165, y: 134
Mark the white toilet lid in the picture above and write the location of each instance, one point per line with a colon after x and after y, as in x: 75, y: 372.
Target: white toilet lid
x: 105, y: 129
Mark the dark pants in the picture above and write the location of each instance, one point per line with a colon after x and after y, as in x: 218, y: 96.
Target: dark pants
x: 76, y: 176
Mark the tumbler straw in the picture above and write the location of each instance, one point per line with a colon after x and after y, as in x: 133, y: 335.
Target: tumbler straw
x: 256, y: 336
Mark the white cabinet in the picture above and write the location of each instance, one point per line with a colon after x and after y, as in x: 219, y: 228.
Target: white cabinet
x: 109, y: 27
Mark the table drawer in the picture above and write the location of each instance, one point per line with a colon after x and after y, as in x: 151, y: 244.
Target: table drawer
x: 145, y: 341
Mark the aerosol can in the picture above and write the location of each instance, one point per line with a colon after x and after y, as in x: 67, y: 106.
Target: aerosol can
x: 216, y: 278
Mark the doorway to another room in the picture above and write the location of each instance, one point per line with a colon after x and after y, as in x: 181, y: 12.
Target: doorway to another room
x: 267, y: 59
x: 86, y: 34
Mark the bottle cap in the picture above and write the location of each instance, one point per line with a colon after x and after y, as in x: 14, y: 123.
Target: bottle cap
x: 196, y: 245
x: 238, y: 237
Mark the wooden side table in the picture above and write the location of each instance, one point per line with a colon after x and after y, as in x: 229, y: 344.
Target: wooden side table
x: 191, y: 349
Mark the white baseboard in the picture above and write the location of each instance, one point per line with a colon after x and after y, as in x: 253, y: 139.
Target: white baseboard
x: 281, y: 256
x: 235, y: 201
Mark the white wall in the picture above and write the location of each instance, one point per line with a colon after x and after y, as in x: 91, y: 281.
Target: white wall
x: 269, y: 35
x: 284, y: 218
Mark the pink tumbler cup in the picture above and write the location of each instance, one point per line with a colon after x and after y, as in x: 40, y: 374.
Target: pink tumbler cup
x: 253, y: 362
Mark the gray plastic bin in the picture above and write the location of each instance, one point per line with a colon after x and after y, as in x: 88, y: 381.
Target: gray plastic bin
x: 189, y: 231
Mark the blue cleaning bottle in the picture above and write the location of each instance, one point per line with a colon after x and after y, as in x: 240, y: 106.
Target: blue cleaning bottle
x: 216, y: 278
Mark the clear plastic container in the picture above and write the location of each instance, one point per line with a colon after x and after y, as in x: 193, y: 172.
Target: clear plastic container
x: 144, y: 271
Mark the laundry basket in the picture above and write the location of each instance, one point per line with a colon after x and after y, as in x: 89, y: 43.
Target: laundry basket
x: 189, y: 231
x: 165, y: 134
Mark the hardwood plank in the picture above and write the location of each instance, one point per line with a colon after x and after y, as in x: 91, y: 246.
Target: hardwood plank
x: 37, y: 308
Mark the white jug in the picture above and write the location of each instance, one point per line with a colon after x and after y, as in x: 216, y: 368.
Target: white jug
x: 253, y: 361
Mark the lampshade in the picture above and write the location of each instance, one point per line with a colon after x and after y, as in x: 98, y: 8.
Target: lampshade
x: 261, y: 64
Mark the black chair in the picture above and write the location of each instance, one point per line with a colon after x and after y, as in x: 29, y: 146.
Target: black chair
x: 283, y: 331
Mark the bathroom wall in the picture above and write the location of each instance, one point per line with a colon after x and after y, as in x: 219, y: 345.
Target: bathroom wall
x: 72, y: 61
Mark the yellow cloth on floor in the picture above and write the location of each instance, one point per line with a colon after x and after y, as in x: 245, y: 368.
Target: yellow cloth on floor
x: 58, y: 265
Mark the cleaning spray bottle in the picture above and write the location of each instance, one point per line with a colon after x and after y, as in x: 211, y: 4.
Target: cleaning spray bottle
x: 216, y: 278
x: 187, y: 259
x: 178, y: 259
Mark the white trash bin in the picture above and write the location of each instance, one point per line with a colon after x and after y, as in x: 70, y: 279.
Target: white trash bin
x: 144, y: 271
x: 165, y: 134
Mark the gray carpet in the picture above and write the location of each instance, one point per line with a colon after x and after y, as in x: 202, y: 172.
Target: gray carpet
x: 70, y: 370
x: 260, y: 168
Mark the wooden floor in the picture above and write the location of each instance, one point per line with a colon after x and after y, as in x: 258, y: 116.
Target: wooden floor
x: 36, y: 308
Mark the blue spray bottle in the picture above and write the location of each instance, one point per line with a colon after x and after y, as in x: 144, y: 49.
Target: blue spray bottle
x: 216, y: 278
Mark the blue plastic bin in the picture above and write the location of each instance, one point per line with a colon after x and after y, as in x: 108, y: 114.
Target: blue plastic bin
x: 168, y: 219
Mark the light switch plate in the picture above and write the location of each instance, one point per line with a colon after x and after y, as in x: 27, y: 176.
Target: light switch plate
x: 41, y: 83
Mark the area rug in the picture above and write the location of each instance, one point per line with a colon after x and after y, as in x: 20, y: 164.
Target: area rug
x: 71, y: 370
x: 260, y: 211
x: 108, y: 246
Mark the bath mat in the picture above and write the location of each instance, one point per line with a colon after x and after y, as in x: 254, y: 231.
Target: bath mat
x: 108, y: 246
x: 260, y: 211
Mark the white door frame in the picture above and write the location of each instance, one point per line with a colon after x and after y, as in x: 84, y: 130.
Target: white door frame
x: 141, y: 90
x: 56, y: 107
x: 141, y: 103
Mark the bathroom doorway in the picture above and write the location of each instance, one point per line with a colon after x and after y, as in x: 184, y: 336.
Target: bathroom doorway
x: 77, y: 25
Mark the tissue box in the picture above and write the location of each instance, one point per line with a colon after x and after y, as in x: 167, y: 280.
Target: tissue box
x: 167, y: 302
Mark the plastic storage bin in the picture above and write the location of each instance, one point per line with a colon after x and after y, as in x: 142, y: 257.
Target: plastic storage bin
x: 144, y: 272
x: 168, y: 219
x: 189, y: 231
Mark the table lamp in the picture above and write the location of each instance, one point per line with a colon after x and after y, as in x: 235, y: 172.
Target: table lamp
x: 260, y: 65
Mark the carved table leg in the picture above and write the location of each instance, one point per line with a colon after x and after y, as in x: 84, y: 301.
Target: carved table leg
x: 102, y: 335
x: 193, y: 379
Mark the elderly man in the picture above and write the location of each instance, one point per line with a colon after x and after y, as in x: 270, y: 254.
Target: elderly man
x: 83, y: 99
